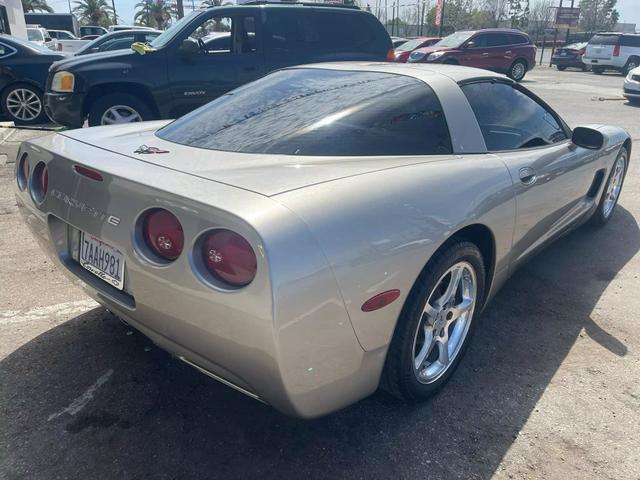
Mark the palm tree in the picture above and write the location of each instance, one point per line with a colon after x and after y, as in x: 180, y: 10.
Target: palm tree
x: 94, y: 12
x: 214, y: 3
x: 154, y: 13
x: 36, y: 6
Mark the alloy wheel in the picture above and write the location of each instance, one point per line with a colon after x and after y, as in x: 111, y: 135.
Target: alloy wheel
x: 24, y: 104
x: 614, y: 187
x: 518, y: 71
x: 445, y: 322
x: 120, y: 114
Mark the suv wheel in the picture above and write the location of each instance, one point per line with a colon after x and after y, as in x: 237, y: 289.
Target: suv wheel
x: 118, y: 108
x: 632, y: 63
x: 23, y: 104
x: 517, y: 70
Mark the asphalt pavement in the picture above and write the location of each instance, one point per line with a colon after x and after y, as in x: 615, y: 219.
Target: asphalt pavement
x: 550, y: 387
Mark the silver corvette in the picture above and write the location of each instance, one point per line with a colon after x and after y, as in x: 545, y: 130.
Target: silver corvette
x: 323, y: 231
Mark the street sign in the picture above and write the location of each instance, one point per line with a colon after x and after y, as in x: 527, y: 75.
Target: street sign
x: 567, y: 17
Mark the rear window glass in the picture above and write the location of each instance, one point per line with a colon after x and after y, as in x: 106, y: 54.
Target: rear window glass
x: 320, y: 112
x: 630, y: 41
x: 604, y: 40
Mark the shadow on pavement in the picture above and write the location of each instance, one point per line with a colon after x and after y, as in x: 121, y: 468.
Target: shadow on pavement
x: 153, y: 417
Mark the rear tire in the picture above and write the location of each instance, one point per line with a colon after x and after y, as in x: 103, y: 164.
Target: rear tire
x: 119, y: 108
x: 612, y: 189
x: 562, y: 68
x: 517, y: 70
x: 415, y: 368
x: 23, y: 104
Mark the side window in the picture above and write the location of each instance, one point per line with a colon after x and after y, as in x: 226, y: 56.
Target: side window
x: 509, y: 119
x: 630, y: 41
x: 497, y: 39
x: 227, y: 34
x: 516, y: 39
x: 291, y: 31
x: 117, y: 43
x: 480, y: 41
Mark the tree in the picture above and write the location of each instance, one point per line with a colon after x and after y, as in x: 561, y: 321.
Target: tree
x: 94, y: 12
x: 598, y: 15
x: 210, y: 3
x: 496, y: 11
x: 36, y: 6
x: 519, y: 13
x: 542, y: 16
x: 154, y: 13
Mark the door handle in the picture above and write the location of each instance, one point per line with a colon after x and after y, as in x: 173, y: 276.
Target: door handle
x: 508, y: 52
x: 528, y: 176
x: 485, y: 54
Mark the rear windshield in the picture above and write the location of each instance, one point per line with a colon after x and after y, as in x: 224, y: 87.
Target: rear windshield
x: 604, y: 40
x: 320, y: 112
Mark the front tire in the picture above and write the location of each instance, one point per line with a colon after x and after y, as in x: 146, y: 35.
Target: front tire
x: 517, y: 70
x: 23, y: 104
x: 612, y: 190
x: 436, y: 323
x: 119, y: 108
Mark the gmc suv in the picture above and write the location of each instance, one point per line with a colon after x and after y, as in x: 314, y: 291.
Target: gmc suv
x: 205, y: 55
x: 501, y: 50
x: 613, y: 51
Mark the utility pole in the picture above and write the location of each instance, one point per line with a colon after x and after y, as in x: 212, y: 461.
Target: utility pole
x: 385, y: 15
x: 441, y: 20
x: 70, y: 7
x: 115, y: 15
x: 180, y: 8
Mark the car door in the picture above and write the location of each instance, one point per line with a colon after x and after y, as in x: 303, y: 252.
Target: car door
x: 552, y: 177
x: 230, y: 55
x: 500, y: 55
x: 476, y: 52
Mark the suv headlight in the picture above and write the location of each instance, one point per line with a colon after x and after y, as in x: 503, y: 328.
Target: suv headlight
x: 434, y: 56
x: 63, y: 82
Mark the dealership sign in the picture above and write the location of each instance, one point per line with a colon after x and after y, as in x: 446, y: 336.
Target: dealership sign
x: 567, y: 17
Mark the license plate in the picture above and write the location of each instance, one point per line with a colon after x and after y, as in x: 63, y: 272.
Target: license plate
x: 563, y: 54
x: 101, y: 259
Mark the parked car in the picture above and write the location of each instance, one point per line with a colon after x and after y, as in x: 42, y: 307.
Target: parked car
x: 23, y: 75
x: 500, y: 50
x: 404, y: 50
x: 180, y: 71
x: 631, y: 89
x: 92, y: 30
x: 613, y: 51
x: 570, y: 56
x: 397, y: 41
x: 39, y: 36
x: 118, y: 40
x: 283, y: 282
x: 62, y: 35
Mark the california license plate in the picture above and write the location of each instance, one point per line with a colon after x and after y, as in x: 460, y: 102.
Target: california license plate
x: 101, y: 259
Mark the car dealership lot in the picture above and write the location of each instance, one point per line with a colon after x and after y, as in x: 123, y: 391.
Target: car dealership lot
x: 550, y: 386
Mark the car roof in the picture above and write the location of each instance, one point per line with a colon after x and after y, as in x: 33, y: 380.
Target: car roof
x: 420, y: 71
x: 494, y: 30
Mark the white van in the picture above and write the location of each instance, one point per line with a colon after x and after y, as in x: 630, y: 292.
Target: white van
x: 613, y: 51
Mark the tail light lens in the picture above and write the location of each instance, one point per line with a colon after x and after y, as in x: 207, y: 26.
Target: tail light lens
x: 40, y: 182
x: 229, y: 257
x: 23, y: 172
x: 163, y: 234
x: 391, y: 55
x: 616, y: 51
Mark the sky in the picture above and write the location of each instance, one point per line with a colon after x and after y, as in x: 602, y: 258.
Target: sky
x: 629, y: 9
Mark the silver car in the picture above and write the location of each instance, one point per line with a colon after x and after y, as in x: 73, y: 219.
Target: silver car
x: 325, y: 230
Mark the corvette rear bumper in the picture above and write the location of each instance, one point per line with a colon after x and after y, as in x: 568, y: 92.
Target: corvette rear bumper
x: 287, y: 340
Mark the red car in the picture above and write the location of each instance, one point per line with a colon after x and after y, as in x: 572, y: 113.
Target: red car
x: 500, y: 50
x: 404, y: 50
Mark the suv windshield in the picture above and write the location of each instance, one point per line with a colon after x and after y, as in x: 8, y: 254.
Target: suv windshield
x: 320, y: 112
x: 173, y: 30
x: 454, y: 40
x: 35, y: 35
x: 604, y: 40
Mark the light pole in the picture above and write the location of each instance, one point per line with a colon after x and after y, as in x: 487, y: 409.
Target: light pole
x: 441, y: 20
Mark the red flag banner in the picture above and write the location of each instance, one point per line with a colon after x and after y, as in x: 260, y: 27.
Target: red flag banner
x: 439, y: 6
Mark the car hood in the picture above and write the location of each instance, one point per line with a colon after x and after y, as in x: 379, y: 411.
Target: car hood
x: 266, y: 174
x: 115, y: 56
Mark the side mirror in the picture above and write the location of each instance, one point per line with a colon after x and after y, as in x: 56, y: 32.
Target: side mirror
x: 47, y: 39
x: 586, y: 137
x: 470, y: 44
x: 190, y: 46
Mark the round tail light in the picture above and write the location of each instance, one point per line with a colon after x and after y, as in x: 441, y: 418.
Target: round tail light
x: 229, y: 257
x: 40, y: 182
x: 23, y: 172
x: 163, y: 234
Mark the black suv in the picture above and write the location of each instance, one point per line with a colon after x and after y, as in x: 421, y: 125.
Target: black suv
x: 203, y: 56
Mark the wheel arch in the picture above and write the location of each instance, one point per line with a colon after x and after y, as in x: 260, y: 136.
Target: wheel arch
x: 135, y: 89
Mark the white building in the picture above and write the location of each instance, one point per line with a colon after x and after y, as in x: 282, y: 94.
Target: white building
x: 12, y: 18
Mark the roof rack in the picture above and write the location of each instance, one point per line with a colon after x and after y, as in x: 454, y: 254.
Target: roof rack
x: 306, y: 4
